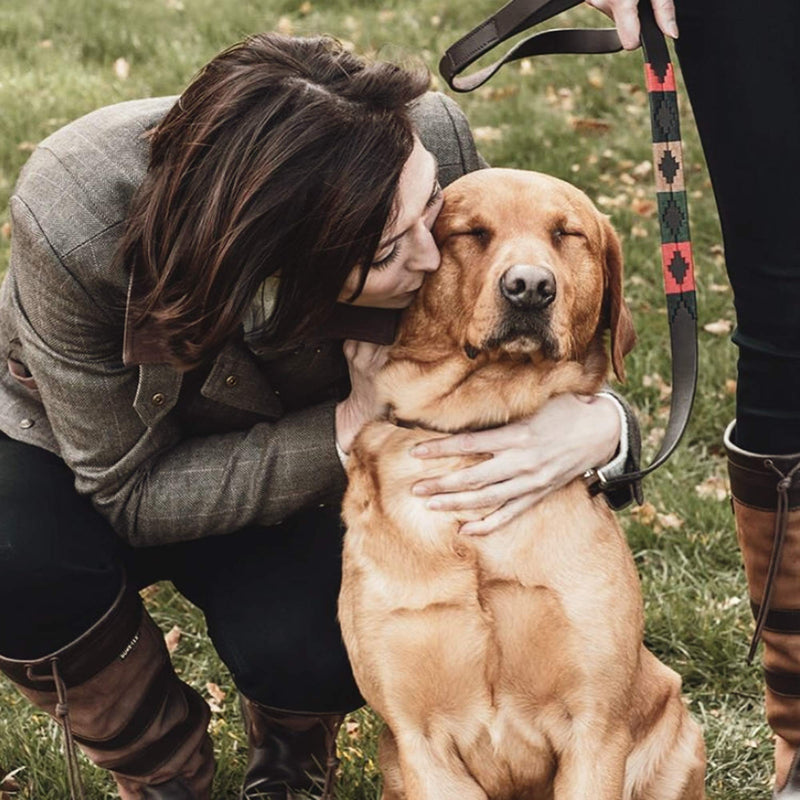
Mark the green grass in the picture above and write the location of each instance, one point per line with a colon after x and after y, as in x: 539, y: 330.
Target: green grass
x: 57, y: 62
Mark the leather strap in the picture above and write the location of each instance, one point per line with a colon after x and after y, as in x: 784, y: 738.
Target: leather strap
x: 676, y: 251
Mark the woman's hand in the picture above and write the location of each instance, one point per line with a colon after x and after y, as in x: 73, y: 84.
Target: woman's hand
x: 529, y: 459
x: 364, y: 361
x: 626, y: 17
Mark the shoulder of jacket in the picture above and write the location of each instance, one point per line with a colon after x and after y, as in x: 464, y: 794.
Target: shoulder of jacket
x: 80, y: 179
x: 444, y: 130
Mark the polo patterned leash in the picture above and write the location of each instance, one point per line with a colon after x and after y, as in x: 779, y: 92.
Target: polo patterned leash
x: 676, y: 250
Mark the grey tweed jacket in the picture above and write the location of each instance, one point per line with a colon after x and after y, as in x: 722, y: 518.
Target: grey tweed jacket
x: 164, y: 457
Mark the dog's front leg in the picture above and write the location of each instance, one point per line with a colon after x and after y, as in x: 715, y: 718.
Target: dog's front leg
x: 592, y: 765
x: 419, y: 768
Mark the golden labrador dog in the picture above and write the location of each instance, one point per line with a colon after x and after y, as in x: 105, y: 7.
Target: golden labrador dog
x: 509, y: 665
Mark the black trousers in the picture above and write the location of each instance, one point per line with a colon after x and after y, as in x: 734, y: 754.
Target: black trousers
x: 268, y: 594
x: 741, y: 66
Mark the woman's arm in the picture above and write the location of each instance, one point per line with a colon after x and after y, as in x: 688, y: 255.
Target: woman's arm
x: 530, y: 458
x: 114, y: 425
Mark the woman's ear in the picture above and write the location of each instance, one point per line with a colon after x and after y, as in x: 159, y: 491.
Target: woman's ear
x: 620, y: 321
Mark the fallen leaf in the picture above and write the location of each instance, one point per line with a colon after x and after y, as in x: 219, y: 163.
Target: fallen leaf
x: 352, y: 728
x: 714, y: 487
x: 214, y: 690
x: 122, y: 69
x: 487, y: 133
x: 526, y: 67
x: 730, y: 386
x: 305, y: 9
x: 645, y: 512
x: 285, y: 26
x: 643, y: 168
x: 729, y: 603
x: 5, y: 230
x: 721, y: 327
x: 46, y: 44
x: 671, y: 521
x: 720, y: 288
x: 587, y: 125
x: 596, y: 78
x: 498, y: 92
x: 26, y: 147
x: 644, y: 207
x: 172, y: 639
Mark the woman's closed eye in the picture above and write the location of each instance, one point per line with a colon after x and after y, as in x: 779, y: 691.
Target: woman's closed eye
x: 388, y: 259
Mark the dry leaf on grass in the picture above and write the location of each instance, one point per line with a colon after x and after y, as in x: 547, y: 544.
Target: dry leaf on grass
x: 173, y: 638
x: 216, y: 692
x: 487, y: 133
x: 352, y: 728
x: 643, y: 207
x: 122, y: 69
x: 586, y: 125
x: 714, y: 487
x: 721, y: 327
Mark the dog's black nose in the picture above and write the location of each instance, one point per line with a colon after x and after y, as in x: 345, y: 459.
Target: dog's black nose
x: 527, y: 287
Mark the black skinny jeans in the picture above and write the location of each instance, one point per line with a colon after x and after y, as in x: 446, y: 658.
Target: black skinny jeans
x: 741, y: 65
x: 268, y: 594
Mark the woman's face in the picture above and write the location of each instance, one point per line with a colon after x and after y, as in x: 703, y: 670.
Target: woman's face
x: 407, y: 250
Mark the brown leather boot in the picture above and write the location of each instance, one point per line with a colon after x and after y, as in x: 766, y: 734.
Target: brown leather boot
x: 291, y: 755
x: 766, y: 502
x: 117, y: 697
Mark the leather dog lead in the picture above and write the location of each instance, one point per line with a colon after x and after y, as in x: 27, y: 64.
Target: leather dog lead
x: 676, y: 251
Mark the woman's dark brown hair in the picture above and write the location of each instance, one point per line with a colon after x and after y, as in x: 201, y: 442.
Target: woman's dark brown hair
x: 283, y: 155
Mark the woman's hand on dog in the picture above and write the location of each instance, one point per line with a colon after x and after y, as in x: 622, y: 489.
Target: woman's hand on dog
x: 529, y: 459
x: 626, y: 17
x: 364, y: 361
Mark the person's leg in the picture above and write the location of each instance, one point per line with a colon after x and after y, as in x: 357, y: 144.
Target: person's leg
x: 79, y: 644
x: 740, y: 64
x: 270, y: 600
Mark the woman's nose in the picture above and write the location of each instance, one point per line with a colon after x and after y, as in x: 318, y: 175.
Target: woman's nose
x: 427, y: 256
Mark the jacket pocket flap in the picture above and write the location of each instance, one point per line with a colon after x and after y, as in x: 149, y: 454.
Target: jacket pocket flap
x: 237, y: 380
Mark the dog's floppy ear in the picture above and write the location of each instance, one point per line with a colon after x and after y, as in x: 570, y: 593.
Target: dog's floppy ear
x: 619, y: 318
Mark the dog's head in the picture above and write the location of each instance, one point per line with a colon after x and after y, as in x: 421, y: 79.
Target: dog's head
x: 529, y: 266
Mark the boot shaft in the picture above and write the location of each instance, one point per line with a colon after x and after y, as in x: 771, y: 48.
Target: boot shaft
x: 115, y: 693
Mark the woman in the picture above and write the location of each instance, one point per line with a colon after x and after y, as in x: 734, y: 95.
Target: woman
x: 183, y: 275
x: 741, y: 65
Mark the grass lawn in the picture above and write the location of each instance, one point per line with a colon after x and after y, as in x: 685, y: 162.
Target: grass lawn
x: 582, y: 118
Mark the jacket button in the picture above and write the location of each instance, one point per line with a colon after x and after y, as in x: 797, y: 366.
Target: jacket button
x: 26, y: 423
x: 158, y: 399
x: 231, y: 380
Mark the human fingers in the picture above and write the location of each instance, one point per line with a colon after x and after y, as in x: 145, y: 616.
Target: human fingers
x: 489, y: 497
x: 502, y: 516
x: 467, y: 479
x: 664, y: 11
x: 365, y: 355
x: 459, y: 444
x: 625, y: 16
